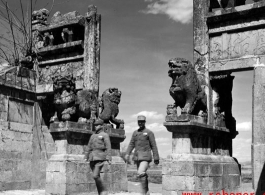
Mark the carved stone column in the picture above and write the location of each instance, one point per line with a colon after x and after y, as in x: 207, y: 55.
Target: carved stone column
x: 258, y: 131
x: 200, y: 160
x: 201, y: 49
x: 92, y: 50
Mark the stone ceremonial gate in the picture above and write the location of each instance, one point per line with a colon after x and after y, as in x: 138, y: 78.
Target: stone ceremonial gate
x: 47, y: 106
x: 229, y: 36
x: 233, y: 39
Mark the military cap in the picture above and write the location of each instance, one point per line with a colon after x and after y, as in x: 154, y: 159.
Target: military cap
x: 141, y: 118
x: 98, y: 122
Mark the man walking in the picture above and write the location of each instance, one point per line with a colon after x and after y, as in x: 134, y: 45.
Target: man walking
x: 98, y: 152
x: 143, y: 140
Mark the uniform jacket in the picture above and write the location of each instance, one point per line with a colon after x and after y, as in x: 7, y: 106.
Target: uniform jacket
x: 99, y: 147
x: 143, y: 141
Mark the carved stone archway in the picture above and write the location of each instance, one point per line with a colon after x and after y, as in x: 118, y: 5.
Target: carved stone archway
x: 229, y: 40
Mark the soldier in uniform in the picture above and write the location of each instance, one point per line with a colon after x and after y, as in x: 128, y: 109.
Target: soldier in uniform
x: 143, y: 140
x: 98, y: 152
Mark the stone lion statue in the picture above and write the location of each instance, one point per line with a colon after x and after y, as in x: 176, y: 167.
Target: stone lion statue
x: 186, y: 88
x: 109, y: 102
x: 87, y: 105
x: 64, y: 98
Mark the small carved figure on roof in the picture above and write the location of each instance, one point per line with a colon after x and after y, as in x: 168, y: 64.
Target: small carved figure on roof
x: 41, y: 15
x: 225, y: 3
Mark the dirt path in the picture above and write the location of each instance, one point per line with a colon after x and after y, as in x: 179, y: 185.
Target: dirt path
x: 133, y: 189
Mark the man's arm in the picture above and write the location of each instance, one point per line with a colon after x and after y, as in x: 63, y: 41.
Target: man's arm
x: 131, y: 145
x: 108, y: 147
x: 89, y: 148
x: 153, y: 146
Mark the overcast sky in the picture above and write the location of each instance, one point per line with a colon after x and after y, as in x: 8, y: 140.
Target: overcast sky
x: 138, y: 39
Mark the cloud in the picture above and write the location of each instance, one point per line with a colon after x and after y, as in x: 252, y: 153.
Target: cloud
x: 149, y: 115
x: 245, y: 126
x: 163, y: 139
x: 177, y: 10
x: 156, y: 127
x: 130, y: 127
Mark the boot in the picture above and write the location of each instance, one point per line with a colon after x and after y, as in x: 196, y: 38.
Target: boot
x: 144, y: 185
x: 102, y: 190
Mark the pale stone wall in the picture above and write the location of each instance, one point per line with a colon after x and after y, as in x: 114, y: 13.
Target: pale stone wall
x: 24, y: 146
x: 15, y: 155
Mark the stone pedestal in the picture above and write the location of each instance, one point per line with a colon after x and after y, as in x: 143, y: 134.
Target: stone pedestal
x: 200, y: 160
x: 68, y: 173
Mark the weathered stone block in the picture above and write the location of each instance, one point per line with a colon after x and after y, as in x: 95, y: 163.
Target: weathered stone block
x: 216, y: 170
x: 50, y: 147
x: 72, y: 178
x: 124, y: 186
x: 21, y: 175
x: 59, y: 178
x: 61, y: 146
x: 82, y: 188
x: 83, y: 167
x: 217, y: 183
x: 167, y: 192
x: 8, y: 134
x: 231, y: 169
x: 43, y: 165
x: 8, y: 146
x: 106, y: 177
x: 24, y: 136
x: 72, y: 189
x: 49, y: 177
x: 26, y: 155
x: 181, y: 143
x: 3, y: 116
x: 178, y: 168
x: 202, y: 169
x: 171, y: 183
x: 90, y: 178
x: 204, y: 183
x: 71, y: 166
x: 21, y: 127
x: 234, y: 181
x: 82, y: 178
x: 55, y: 188
x: 6, y: 176
x: 6, y: 165
x: 53, y: 166
x: 24, y: 185
x: 92, y: 187
x: 24, y: 165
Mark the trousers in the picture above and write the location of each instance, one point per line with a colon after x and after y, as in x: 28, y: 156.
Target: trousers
x: 96, y: 167
x: 142, y: 167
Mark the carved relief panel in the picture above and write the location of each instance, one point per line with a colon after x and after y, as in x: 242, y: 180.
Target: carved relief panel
x: 236, y: 45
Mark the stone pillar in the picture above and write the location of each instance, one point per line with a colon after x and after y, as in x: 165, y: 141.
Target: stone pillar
x: 258, y: 131
x: 92, y: 50
x: 200, y: 160
x: 201, y: 49
x: 68, y: 173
